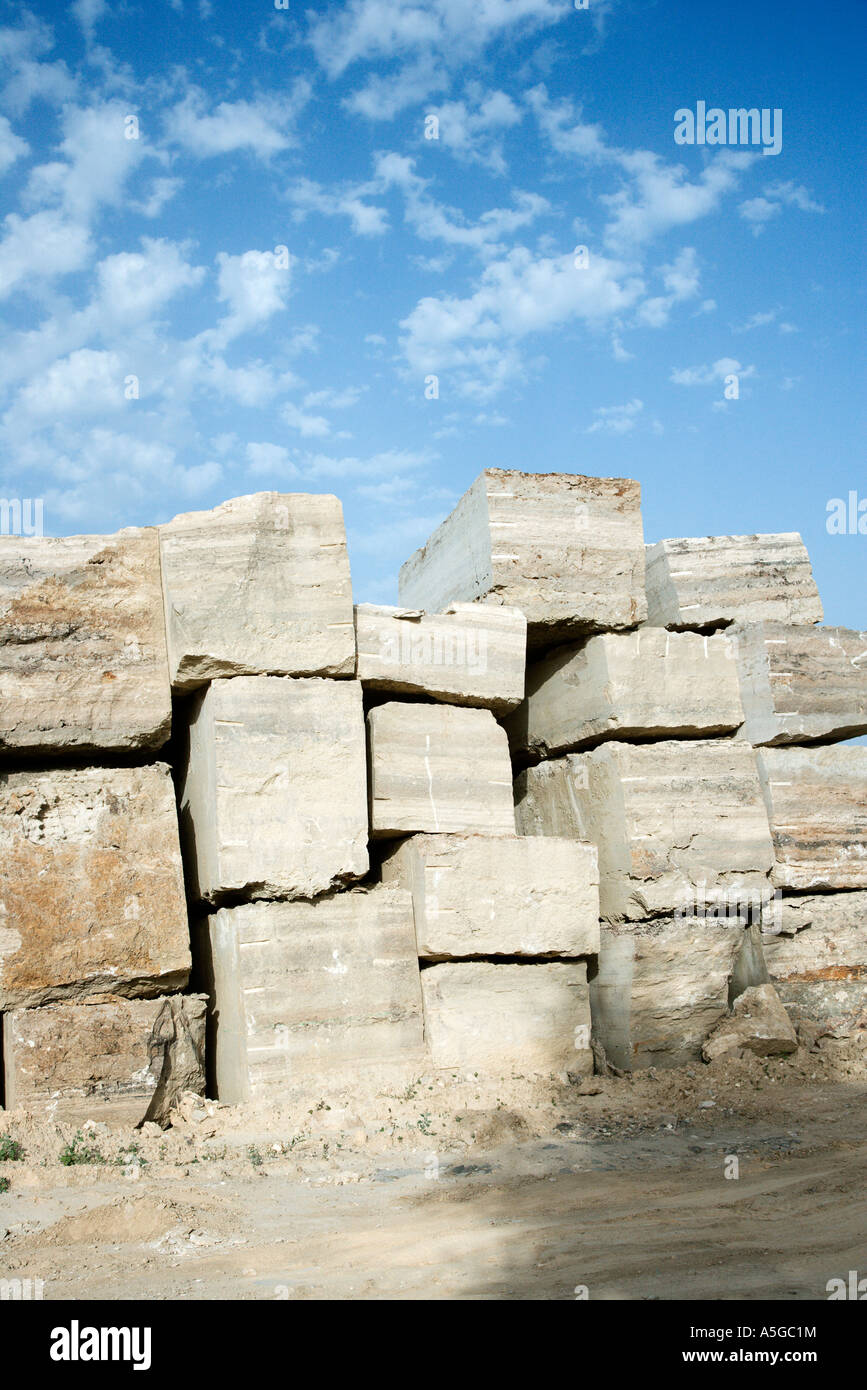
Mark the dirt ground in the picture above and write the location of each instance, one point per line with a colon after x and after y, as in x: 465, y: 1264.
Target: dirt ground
x: 454, y: 1187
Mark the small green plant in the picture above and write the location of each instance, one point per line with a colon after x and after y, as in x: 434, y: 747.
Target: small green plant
x: 78, y: 1151
x: 10, y: 1149
x: 254, y: 1156
x: 4, y: 1184
x: 423, y: 1123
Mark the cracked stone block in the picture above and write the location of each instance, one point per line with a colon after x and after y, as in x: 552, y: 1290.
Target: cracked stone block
x: 818, y: 961
x: 299, y: 988
x: 670, y: 820
x: 758, y: 1023
x: 121, y: 1061
x: 817, y: 805
x: 92, y: 894
x: 274, y: 799
x: 467, y: 655
x: 83, y: 664
x: 661, y: 988
x: 801, y: 684
x: 487, y: 1017
x: 565, y: 549
x: 438, y: 769
x: 259, y: 585
x: 480, y: 895
x: 709, y: 581
x: 643, y: 684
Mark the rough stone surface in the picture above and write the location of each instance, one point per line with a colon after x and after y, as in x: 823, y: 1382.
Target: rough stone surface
x: 669, y: 819
x: 817, y: 804
x: 565, y: 549
x: 818, y: 962
x: 122, y: 1061
x: 301, y: 986
x: 468, y: 655
x: 757, y: 1023
x: 660, y: 989
x: 478, y: 895
x: 801, y: 684
x: 92, y: 893
x: 83, y: 662
x: 258, y: 585
x: 649, y: 683
x: 273, y: 802
x: 710, y: 581
x: 488, y: 1017
x: 438, y: 769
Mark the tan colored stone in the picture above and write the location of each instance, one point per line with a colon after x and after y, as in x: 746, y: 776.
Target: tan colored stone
x: 259, y: 585
x: 709, y: 581
x: 481, y: 895
x: 92, y: 898
x: 817, y: 804
x: 438, y: 769
x: 82, y: 644
x: 801, y: 683
x: 273, y: 802
x: 818, y: 961
x: 758, y: 1023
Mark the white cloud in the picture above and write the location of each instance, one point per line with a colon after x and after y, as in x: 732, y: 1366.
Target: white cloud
x: 777, y: 196
x: 681, y: 279
x: 660, y: 196
x: 84, y: 383
x: 133, y: 284
x: 310, y: 426
x: 255, y: 286
x: 39, y: 247
x: 98, y: 160
x: 705, y: 375
x: 270, y: 460
x: 616, y: 419
x: 12, y: 146
x: 561, y: 123
x: 88, y: 13
x: 264, y: 126
x: 467, y: 133
x: 367, y: 219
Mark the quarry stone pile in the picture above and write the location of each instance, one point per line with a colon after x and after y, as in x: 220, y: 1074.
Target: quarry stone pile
x: 801, y: 684
x: 711, y: 581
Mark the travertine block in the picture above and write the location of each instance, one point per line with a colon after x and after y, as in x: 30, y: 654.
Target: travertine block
x: 468, y: 655
x: 817, y: 805
x: 122, y: 1061
x: 300, y: 987
x: 82, y: 644
x: 709, y: 581
x: 669, y: 820
x: 661, y: 988
x: 628, y: 685
x: 818, y: 961
x: 481, y: 895
x: 801, y: 684
x: 258, y: 585
x: 528, y: 1018
x: 565, y: 549
x: 92, y: 894
x: 273, y: 802
x: 438, y: 768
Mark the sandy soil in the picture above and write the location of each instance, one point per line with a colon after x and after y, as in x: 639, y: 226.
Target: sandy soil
x: 436, y: 1187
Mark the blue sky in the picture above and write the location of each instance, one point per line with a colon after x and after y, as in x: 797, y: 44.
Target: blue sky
x: 252, y: 292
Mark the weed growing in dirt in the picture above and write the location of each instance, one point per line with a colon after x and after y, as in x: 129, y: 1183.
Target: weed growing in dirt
x: 79, y: 1152
x: 254, y: 1156
x: 4, y: 1184
x: 10, y: 1149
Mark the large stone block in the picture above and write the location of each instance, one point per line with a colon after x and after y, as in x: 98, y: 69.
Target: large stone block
x: 565, y: 549
x: 628, y: 685
x: 670, y: 820
x: 468, y: 655
x: 484, y: 1017
x: 817, y: 805
x: 273, y: 802
x: 92, y: 898
x: 709, y: 581
x: 438, y: 769
x: 122, y: 1061
x: 801, y: 684
x: 481, y: 895
x: 82, y: 644
x: 818, y: 961
x: 660, y: 989
x: 258, y: 585
x: 298, y: 988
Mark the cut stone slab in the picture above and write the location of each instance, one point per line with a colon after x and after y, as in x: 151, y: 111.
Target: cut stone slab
x: 566, y: 549
x: 480, y: 895
x: 92, y: 893
x: 273, y: 802
x: 122, y: 1061
x: 817, y: 805
x: 818, y: 962
x: 660, y: 988
x: 758, y: 1023
x: 801, y: 684
x: 438, y: 769
x: 645, y: 684
x: 258, y: 585
x: 300, y: 988
x: 710, y: 581
x: 83, y: 663
x: 495, y: 1018
x: 675, y: 823
x: 467, y: 655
